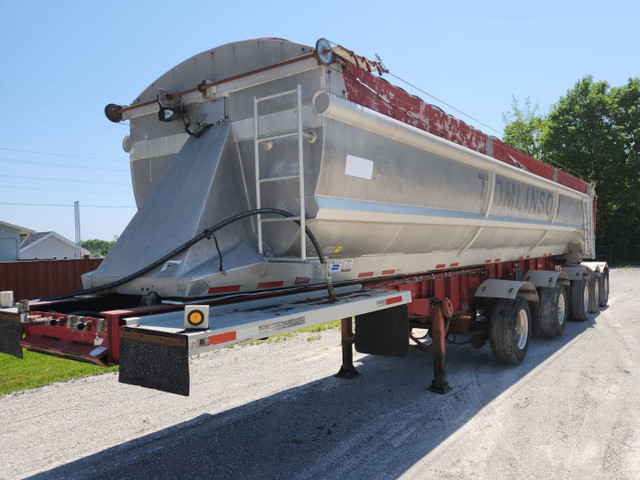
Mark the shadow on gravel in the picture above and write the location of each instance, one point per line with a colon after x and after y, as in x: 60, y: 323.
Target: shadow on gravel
x: 376, y: 426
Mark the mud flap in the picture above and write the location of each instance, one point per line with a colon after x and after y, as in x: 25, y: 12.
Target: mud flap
x: 154, y: 360
x: 10, y: 336
x: 385, y: 332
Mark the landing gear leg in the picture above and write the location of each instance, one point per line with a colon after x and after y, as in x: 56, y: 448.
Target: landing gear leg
x: 439, y: 383
x: 347, y: 370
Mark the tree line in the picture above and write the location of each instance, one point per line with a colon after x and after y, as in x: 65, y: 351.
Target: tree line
x: 592, y: 132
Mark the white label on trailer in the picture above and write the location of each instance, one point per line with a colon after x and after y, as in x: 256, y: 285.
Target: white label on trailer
x: 272, y: 327
x: 97, y: 351
x: 359, y: 167
x: 343, y: 266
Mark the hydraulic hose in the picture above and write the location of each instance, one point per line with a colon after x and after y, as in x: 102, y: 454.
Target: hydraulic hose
x: 205, y: 234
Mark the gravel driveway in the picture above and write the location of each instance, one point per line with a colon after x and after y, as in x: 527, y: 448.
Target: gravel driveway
x: 570, y: 410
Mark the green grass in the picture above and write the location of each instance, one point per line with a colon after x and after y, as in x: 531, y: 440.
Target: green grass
x: 281, y: 337
x: 36, y: 370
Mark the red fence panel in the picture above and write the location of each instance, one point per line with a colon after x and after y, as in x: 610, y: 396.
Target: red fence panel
x: 32, y: 279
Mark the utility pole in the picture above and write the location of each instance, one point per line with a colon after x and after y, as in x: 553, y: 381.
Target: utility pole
x: 76, y: 212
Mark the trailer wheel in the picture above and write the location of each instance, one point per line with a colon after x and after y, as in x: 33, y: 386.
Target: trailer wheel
x: 510, y: 329
x: 594, y: 299
x: 604, y: 289
x: 553, y: 310
x: 580, y: 299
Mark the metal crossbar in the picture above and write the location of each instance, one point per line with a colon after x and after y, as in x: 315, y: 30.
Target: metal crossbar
x: 257, y: 140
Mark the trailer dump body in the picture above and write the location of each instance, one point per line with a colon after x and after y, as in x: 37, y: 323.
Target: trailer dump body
x: 339, y: 147
x: 264, y: 170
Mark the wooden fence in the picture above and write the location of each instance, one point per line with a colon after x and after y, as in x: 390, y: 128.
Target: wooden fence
x: 32, y: 279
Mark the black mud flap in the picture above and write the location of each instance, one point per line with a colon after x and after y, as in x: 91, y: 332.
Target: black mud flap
x: 155, y: 361
x: 11, y: 331
x: 385, y: 332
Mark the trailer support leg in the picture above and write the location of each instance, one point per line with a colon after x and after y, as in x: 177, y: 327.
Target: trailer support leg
x: 439, y: 383
x: 347, y: 370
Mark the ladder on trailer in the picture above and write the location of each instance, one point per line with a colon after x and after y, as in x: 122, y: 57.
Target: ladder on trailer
x: 267, y: 139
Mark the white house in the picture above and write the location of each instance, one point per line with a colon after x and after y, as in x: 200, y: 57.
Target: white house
x: 45, y: 245
x: 11, y: 236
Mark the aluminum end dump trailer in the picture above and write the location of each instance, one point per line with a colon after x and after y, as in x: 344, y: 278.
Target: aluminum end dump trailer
x: 281, y: 185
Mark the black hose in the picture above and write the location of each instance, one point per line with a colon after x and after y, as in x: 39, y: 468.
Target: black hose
x: 205, y: 234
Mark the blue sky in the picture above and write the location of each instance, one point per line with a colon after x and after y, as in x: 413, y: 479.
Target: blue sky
x: 63, y: 61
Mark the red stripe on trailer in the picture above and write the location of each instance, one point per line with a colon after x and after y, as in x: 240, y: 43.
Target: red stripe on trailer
x: 528, y: 256
x: 271, y: 284
x: 222, y: 338
x: 365, y: 274
x: 225, y: 289
x: 388, y: 272
x: 391, y: 301
x: 454, y: 264
x: 497, y: 260
x: 487, y: 261
x: 520, y: 258
x: 442, y: 265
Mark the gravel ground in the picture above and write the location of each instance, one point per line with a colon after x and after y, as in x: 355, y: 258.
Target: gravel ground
x: 570, y: 410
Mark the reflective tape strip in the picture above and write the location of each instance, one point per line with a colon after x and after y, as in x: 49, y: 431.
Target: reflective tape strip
x: 441, y: 265
x: 388, y: 272
x: 271, y: 284
x: 365, y: 274
x: 392, y: 300
x: 222, y: 338
x: 225, y: 289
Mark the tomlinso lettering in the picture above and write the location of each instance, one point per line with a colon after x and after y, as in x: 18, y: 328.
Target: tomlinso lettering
x: 524, y: 199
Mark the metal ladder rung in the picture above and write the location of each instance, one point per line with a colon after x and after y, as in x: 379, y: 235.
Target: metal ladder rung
x: 277, y: 179
x: 267, y: 139
x: 276, y: 95
x: 277, y: 136
x: 279, y: 219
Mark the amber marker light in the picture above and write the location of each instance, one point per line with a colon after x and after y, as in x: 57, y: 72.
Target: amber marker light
x: 196, y: 316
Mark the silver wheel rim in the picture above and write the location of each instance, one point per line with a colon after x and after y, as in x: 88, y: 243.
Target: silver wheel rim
x: 596, y: 292
x: 585, y: 297
x: 561, y: 309
x: 522, y: 329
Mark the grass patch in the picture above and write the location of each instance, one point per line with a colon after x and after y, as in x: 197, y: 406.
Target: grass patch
x: 37, y: 370
x: 281, y: 337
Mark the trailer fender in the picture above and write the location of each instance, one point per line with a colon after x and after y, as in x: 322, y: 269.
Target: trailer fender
x: 511, y: 289
x: 547, y: 278
x: 578, y: 272
x: 598, y: 267
x: 493, y: 288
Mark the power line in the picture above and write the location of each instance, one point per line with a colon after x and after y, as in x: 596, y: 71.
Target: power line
x: 83, y: 157
x: 60, y: 165
x: 445, y: 103
x: 39, y: 189
x: 70, y: 205
x: 62, y: 180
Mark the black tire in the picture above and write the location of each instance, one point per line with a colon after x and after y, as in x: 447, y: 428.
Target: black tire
x: 604, y: 289
x: 553, y: 310
x: 510, y: 329
x: 580, y: 299
x: 594, y: 298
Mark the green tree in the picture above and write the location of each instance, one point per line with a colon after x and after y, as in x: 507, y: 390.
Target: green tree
x: 98, y: 248
x: 594, y: 130
x: 524, y: 127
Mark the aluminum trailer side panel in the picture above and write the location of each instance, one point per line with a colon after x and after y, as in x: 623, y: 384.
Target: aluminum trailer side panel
x: 431, y: 203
